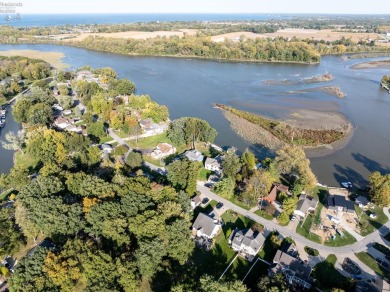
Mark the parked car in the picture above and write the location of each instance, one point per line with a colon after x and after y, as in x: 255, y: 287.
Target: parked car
x: 293, y: 218
x: 219, y: 205
x: 205, y: 200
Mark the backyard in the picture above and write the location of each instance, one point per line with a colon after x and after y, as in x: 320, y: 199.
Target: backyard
x: 327, y: 276
x: 304, y: 228
x: 368, y: 224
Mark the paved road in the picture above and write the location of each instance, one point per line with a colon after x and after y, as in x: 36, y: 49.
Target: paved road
x: 361, y: 245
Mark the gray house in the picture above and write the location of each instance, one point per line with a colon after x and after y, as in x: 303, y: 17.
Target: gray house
x: 205, y: 226
x: 305, y: 204
x: 247, y: 242
x: 338, y: 203
x: 194, y: 155
x: 294, y: 270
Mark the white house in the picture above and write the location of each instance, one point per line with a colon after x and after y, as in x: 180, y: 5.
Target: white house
x: 246, y: 241
x: 106, y: 148
x: 205, y: 226
x: 212, y: 164
x: 305, y: 204
x: 163, y: 150
x: 62, y: 123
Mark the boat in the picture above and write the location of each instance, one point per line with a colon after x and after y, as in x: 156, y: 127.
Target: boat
x: 347, y: 184
x: 8, y: 18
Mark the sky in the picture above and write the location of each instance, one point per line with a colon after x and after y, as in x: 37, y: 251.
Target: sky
x: 204, y: 6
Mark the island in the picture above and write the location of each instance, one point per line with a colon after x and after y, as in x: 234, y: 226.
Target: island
x: 385, y: 82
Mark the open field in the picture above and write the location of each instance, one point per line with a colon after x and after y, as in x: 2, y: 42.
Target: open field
x: 53, y: 58
x: 326, y: 35
x: 131, y: 34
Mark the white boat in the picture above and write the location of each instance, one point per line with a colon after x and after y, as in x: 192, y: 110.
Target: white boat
x: 347, y: 184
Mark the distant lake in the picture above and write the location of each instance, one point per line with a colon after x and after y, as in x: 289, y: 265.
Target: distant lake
x: 29, y: 20
x: 190, y: 87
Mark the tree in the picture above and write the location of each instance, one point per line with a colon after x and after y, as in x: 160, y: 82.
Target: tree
x: 65, y: 101
x: 134, y: 160
x: 96, y: 131
x: 261, y: 182
x: 292, y: 159
x: 20, y: 110
x: 209, y: 285
x: 122, y: 86
x: 11, y: 239
x: 249, y: 159
x: 15, y: 142
x: 225, y: 187
x: 15, y: 88
x: 39, y: 95
x: 380, y: 188
x: 183, y: 175
x: 190, y: 130
x: 149, y: 256
x: 275, y: 283
x: 290, y: 204
x: 231, y: 164
x: 63, y: 90
x: 40, y: 114
x: 29, y: 276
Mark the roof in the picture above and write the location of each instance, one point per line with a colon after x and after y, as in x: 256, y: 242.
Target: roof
x: 275, y: 190
x: 362, y: 200
x: 305, y: 203
x: 164, y: 147
x: 196, y: 199
x: 194, y: 155
x: 338, y: 201
x: 247, y: 237
x: 285, y: 261
x: 204, y: 223
x: 211, y: 161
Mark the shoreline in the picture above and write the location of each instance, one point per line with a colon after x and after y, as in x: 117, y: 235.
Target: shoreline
x: 256, y: 134
x: 382, y: 64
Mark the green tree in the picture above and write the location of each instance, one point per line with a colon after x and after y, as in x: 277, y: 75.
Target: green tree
x: 225, y: 187
x: 149, y: 256
x: 14, y: 142
x: 231, y: 164
x: 65, y: 101
x: 134, y: 160
x: 380, y: 188
x: 275, y: 283
x: 183, y: 175
x: 11, y: 239
x: 40, y: 114
x: 20, y: 110
x: 207, y: 284
x: 63, y: 90
x: 122, y: 86
x: 96, y: 131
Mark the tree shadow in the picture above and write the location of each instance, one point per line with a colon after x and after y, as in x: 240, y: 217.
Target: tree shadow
x: 370, y: 164
x: 347, y: 174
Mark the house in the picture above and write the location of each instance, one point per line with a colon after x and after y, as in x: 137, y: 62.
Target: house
x: 152, y: 128
x: 276, y: 189
x: 67, y: 112
x: 362, y: 202
x: 338, y: 203
x: 205, y: 226
x: 294, y: 270
x: 246, y: 242
x: 163, y: 150
x: 195, y: 202
x: 213, y: 164
x: 106, y: 148
x: 194, y: 155
x: 62, y: 123
x: 305, y: 204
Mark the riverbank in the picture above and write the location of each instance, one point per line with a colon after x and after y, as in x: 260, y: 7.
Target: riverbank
x: 53, y: 58
x: 309, y: 129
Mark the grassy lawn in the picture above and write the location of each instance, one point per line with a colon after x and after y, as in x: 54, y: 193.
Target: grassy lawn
x: 5, y: 194
x: 267, y: 211
x: 372, y: 264
x: 328, y: 277
x: 264, y: 214
x: 368, y: 224
x: 106, y: 139
x: 304, y: 229
x: 347, y: 239
x: 25, y: 161
x: 204, y: 174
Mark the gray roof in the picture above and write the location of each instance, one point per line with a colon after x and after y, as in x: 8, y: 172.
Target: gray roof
x: 336, y: 201
x: 247, y: 237
x: 204, y: 223
x: 211, y: 161
x: 362, y: 200
x: 194, y: 155
x: 285, y: 261
x: 305, y: 203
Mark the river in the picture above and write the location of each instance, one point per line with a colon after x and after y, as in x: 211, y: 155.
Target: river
x: 190, y: 87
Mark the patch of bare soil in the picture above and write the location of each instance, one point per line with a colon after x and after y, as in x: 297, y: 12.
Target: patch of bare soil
x: 372, y: 65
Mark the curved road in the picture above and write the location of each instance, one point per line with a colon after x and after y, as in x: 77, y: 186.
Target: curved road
x: 376, y: 236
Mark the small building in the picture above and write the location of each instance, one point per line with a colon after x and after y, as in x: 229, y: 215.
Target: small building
x: 247, y: 242
x: 195, y: 202
x: 294, y: 270
x: 205, y: 226
x: 338, y: 203
x: 194, y: 155
x: 152, y: 128
x: 62, y: 123
x: 213, y: 164
x: 362, y: 202
x: 163, y: 150
x: 106, y: 148
x: 276, y: 189
x: 67, y: 112
x: 305, y: 204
